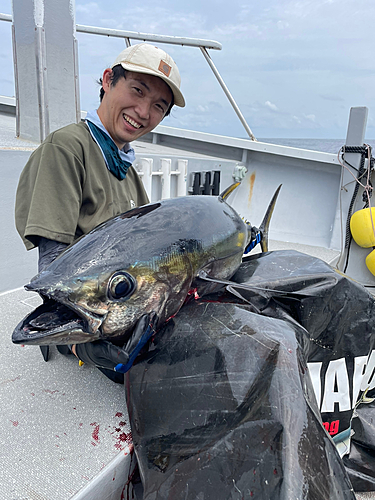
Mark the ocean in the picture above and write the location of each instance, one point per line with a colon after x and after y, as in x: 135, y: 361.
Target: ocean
x: 325, y: 145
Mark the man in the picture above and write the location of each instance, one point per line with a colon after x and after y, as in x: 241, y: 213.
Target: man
x: 82, y: 174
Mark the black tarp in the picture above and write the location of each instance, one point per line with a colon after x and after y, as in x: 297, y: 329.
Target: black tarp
x: 222, y: 405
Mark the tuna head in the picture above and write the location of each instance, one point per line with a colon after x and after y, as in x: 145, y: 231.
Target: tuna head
x: 106, y: 304
x: 140, y: 262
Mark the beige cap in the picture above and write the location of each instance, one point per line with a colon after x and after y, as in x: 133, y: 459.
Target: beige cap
x: 146, y: 58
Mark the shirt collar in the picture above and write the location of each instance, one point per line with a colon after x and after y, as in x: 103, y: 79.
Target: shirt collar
x: 127, y: 152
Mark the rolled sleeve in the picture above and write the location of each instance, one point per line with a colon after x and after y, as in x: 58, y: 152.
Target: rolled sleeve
x: 49, y: 195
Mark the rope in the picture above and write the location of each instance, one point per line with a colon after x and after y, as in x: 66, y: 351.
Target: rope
x: 365, y: 152
x: 356, y: 189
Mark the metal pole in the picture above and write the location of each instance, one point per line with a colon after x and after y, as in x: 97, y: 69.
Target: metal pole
x: 42, y: 88
x: 227, y: 93
x: 149, y: 37
x: 17, y: 92
x: 6, y: 17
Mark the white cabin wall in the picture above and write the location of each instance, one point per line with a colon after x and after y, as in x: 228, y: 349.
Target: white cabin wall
x: 308, y: 204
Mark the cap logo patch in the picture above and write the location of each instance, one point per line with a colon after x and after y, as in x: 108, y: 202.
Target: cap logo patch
x: 164, y: 68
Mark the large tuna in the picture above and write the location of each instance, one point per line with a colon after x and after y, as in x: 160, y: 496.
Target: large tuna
x: 146, y: 260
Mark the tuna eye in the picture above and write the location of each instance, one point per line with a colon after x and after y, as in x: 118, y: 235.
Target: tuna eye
x: 121, y: 285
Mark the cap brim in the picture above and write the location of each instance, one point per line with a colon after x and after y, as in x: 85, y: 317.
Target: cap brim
x: 178, y: 97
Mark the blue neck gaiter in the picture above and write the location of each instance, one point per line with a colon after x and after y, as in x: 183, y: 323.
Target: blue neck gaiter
x: 116, y: 165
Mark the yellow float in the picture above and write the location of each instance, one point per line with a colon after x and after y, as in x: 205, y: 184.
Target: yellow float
x: 362, y: 229
x: 370, y: 262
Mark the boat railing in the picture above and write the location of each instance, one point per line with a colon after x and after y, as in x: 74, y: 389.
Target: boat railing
x: 202, y: 44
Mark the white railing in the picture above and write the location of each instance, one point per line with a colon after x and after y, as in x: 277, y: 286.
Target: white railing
x: 202, y: 44
x: 163, y: 178
x: 149, y: 37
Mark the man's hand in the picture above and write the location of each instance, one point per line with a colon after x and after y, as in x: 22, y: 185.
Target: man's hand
x: 103, y: 354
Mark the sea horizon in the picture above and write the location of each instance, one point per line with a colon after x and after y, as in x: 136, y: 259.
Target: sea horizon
x: 324, y: 145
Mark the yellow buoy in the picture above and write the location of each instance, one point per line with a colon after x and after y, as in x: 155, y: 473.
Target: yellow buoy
x: 361, y: 228
x: 370, y: 262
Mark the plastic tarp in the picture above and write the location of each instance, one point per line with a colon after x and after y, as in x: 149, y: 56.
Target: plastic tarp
x: 256, y: 390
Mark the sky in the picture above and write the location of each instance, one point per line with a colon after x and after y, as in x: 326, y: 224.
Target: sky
x: 295, y: 68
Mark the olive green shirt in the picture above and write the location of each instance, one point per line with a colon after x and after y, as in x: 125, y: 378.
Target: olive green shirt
x: 66, y: 189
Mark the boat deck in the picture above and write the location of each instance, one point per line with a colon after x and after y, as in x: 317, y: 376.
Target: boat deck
x: 64, y: 428
x: 61, y: 425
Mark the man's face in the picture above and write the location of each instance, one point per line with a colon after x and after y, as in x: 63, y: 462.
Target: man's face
x: 134, y: 106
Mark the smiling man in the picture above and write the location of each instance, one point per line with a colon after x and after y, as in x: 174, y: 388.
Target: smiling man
x: 134, y: 106
x: 134, y: 101
x: 82, y: 174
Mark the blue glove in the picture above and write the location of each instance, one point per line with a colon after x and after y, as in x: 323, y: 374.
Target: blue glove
x: 104, y: 354
x: 256, y: 237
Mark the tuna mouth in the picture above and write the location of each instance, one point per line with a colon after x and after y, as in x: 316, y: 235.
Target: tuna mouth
x: 53, y: 323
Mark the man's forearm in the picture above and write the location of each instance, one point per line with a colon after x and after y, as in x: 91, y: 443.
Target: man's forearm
x: 48, y: 251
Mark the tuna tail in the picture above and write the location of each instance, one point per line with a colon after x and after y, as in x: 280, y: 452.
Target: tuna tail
x: 261, y: 235
x: 266, y: 221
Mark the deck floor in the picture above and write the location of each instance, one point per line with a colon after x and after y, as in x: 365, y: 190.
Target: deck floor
x: 60, y: 424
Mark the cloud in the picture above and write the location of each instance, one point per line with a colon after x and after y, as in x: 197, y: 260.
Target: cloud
x: 292, y: 65
x: 282, y: 25
x: 211, y: 107
x: 331, y: 97
x: 90, y: 9
x: 155, y: 19
x: 204, y: 117
x: 271, y: 106
x: 286, y: 62
x: 268, y: 115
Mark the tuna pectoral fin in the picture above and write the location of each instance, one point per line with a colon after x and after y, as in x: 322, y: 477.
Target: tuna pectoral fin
x: 143, y: 331
x: 266, y: 221
x: 230, y: 285
x: 44, y: 349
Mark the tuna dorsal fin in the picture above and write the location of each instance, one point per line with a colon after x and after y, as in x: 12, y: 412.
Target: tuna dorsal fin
x: 266, y: 221
x: 229, y: 190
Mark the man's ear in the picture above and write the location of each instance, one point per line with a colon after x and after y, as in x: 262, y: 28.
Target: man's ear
x: 107, y: 79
